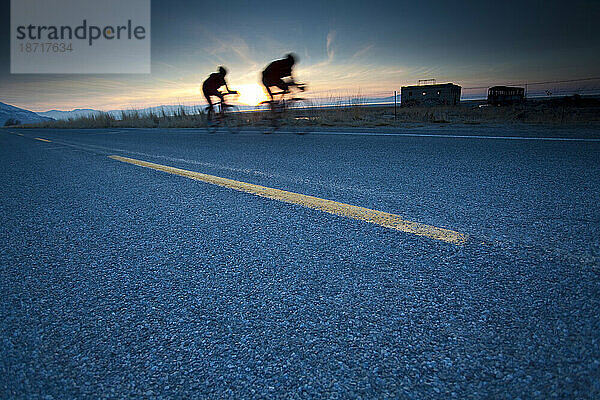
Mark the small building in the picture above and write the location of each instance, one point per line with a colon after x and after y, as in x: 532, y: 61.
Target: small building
x: 447, y: 94
x: 503, y: 95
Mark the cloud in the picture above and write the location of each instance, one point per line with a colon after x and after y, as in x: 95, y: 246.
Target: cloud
x: 318, y: 67
x: 330, y: 49
x: 363, y: 51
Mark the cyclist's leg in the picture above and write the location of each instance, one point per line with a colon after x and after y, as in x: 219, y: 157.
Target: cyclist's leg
x: 222, y: 98
x: 210, y: 108
x: 284, y: 89
x: 281, y: 84
x: 267, y: 86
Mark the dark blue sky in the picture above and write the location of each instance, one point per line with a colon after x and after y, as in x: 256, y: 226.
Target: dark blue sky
x: 345, y: 48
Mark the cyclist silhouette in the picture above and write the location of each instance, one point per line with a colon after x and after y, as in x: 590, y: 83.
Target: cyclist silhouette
x: 275, y: 72
x: 211, y: 86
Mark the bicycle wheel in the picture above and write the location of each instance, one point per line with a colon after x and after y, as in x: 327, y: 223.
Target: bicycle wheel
x: 301, y: 117
x: 212, y: 121
x: 231, y: 120
x: 271, y: 118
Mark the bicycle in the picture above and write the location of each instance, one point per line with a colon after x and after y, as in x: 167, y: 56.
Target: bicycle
x: 223, y: 116
x: 295, y: 113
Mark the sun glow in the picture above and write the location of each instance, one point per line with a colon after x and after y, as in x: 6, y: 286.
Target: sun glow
x: 251, y: 94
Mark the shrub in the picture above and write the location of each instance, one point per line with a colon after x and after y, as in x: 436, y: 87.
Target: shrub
x: 11, y: 122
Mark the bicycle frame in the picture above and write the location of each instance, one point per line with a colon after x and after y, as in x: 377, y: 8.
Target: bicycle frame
x: 278, y: 107
x: 219, y: 108
x: 219, y: 115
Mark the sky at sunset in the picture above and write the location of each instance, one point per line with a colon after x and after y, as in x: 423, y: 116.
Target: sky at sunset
x: 345, y: 48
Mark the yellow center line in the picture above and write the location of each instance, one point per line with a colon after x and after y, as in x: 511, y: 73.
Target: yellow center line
x: 381, y: 218
x: 43, y: 140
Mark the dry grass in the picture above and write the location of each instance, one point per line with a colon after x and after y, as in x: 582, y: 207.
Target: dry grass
x: 131, y: 119
x: 353, y: 113
x: 537, y: 113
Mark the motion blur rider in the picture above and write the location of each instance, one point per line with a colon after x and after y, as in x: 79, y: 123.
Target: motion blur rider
x: 211, y: 86
x: 274, y: 74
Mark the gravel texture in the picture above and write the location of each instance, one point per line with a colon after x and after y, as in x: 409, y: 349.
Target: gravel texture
x: 123, y: 282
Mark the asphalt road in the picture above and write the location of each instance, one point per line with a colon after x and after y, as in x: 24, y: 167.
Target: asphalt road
x: 122, y: 281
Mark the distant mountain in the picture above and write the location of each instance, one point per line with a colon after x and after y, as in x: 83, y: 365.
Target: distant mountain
x: 23, y: 116
x: 77, y: 113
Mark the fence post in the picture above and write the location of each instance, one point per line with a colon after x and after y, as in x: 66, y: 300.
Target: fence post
x: 395, y: 107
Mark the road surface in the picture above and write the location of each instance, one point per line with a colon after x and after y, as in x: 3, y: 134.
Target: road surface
x: 174, y: 263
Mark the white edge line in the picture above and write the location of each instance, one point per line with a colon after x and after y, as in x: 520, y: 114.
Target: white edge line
x: 458, y: 136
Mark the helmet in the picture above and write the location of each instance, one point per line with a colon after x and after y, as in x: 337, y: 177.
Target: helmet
x: 291, y: 57
x: 222, y: 70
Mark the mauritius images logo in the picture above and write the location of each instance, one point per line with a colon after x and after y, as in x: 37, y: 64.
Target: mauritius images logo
x: 80, y: 36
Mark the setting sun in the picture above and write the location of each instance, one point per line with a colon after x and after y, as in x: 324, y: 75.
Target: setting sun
x: 251, y: 94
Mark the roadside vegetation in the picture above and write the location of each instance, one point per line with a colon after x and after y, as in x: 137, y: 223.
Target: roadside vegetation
x: 12, y: 122
x: 353, y: 113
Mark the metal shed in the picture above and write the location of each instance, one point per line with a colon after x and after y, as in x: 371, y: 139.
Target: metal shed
x: 502, y: 95
x: 430, y: 95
